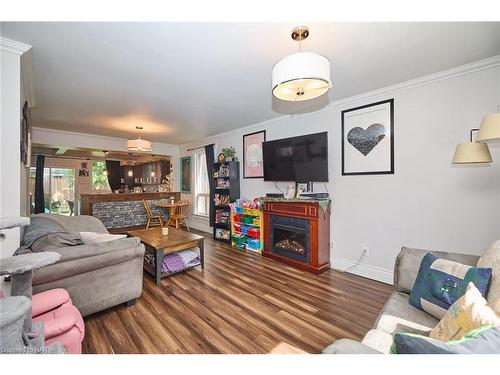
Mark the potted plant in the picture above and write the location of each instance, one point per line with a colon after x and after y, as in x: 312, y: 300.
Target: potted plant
x: 230, y: 153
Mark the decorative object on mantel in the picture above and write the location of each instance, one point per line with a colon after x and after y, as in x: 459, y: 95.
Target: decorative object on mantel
x: 139, y: 145
x: 302, y: 75
x: 471, y: 152
x: 323, y: 203
x: 253, y: 162
x: 489, y: 130
x: 368, y: 139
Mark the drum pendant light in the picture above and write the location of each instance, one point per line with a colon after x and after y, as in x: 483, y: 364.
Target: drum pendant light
x: 302, y: 75
x: 140, y: 145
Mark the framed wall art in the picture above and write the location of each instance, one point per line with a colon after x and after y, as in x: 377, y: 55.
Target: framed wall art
x: 186, y: 174
x: 253, y: 163
x: 368, y: 139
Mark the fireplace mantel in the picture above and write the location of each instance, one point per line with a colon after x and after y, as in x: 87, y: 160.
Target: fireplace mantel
x: 318, y: 232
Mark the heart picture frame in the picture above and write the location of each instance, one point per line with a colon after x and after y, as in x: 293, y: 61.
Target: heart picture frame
x: 368, y: 139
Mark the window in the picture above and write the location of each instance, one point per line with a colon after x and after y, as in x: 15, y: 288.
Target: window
x: 100, y: 176
x: 58, y: 188
x: 201, y: 187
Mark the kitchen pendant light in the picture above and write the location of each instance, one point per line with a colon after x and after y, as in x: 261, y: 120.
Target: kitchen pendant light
x: 302, y: 75
x: 140, y: 145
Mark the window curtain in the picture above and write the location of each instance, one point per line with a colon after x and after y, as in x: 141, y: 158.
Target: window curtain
x: 209, y: 156
x: 114, y: 174
x: 39, y: 193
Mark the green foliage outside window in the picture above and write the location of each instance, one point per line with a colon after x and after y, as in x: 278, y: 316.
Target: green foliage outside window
x: 99, y: 177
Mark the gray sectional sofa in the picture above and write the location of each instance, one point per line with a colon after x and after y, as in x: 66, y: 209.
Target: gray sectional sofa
x: 97, y: 276
x: 398, y: 315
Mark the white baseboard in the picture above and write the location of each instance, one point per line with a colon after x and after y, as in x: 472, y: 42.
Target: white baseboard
x: 365, y: 270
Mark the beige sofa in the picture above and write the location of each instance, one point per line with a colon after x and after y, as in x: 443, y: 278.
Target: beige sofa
x: 97, y: 276
x: 398, y: 315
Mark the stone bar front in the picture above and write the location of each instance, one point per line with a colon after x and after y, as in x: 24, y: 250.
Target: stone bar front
x: 124, y: 211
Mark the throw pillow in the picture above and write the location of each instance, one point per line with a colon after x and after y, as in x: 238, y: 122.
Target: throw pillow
x: 491, y: 259
x: 484, y: 340
x: 468, y: 313
x: 90, y: 238
x: 55, y: 241
x: 440, y: 283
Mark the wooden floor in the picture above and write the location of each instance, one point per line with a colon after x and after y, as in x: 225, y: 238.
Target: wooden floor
x: 240, y: 303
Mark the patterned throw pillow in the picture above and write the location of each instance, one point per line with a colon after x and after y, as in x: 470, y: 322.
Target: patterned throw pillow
x: 492, y: 259
x: 440, y: 283
x: 484, y: 340
x: 468, y: 313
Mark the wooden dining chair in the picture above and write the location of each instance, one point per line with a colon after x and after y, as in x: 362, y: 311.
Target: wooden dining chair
x: 153, y: 220
x: 180, y: 214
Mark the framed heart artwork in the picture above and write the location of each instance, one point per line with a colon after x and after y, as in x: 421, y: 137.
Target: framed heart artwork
x: 368, y: 139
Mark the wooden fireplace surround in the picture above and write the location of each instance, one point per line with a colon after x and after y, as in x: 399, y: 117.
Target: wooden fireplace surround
x: 319, y: 232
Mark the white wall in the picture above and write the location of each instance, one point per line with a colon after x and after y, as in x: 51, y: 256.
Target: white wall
x: 427, y: 203
x: 51, y: 137
x: 9, y: 151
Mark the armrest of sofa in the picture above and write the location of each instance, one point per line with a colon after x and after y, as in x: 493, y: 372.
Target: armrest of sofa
x: 348, y: 346
x: 85, y: 258
x: 408, y: 263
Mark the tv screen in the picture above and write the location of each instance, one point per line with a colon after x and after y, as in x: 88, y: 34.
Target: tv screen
x: 300, y: 159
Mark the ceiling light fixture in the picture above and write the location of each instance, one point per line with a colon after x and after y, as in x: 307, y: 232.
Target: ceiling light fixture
x: 140, y: 145
x: 302, y: 75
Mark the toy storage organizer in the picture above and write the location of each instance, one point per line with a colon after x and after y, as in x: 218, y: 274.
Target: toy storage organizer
x: 227, y: 190
x: 247, y: 226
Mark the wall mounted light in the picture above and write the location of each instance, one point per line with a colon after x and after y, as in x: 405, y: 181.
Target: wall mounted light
x: 471, y: 152
x: 489, y: 130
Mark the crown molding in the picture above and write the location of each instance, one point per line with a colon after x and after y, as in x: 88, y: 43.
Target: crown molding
x: 13, y: 46
x: 473, y: 67
x: 476, y: 66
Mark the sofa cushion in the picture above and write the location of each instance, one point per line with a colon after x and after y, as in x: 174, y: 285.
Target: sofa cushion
x: 441, y: 282
x: 491, y: 259
x: 75, y: 224
x: 468, y: 313
x: 484, y: 340
x: 89, y: 238
x: 399, y: 316
x: 378, y: 340
x: 408, y: 263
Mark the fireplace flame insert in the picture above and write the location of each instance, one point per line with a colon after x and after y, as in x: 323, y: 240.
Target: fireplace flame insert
x: 290, y: 237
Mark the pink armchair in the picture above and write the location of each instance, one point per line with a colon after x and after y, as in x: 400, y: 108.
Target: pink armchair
x: 62, y: 321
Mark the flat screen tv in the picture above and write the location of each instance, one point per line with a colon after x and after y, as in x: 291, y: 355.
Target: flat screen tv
x: 300, y: 159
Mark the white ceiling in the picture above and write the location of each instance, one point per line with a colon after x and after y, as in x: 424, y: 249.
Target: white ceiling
x: 184, y: 81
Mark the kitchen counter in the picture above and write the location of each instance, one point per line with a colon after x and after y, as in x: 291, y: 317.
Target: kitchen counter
x: 123, y: 210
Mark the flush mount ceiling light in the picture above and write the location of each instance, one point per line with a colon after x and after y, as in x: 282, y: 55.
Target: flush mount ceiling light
x: 302, y: 75
x: 140, y: 145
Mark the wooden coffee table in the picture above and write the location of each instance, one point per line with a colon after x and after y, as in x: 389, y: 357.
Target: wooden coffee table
x: 160, y: 245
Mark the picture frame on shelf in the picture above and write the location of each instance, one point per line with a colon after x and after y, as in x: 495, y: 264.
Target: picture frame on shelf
x: 186, y: 174
x: 368, y: 139
x: 253, y: 162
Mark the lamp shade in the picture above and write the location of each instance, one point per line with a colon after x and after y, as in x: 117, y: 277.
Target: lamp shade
x: 140, y: 145
x: 489, y: 130
x: 301, y: 76
x: 471, y: 152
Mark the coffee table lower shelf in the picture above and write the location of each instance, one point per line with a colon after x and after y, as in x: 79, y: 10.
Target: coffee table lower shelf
x: 152, y: 271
